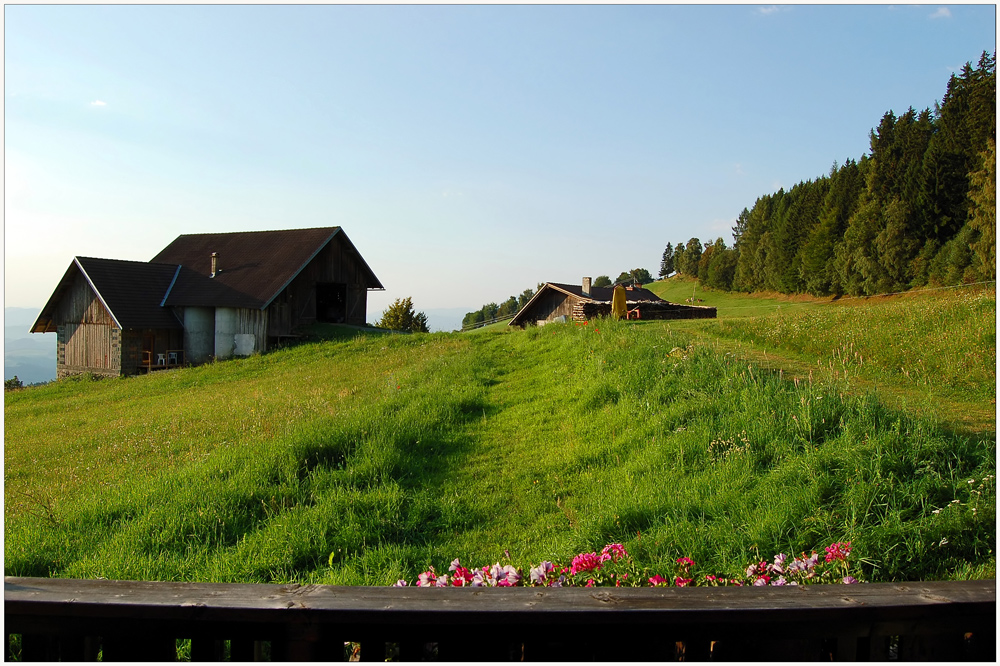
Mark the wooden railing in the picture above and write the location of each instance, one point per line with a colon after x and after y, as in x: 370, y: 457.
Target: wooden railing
x: 50, y: 619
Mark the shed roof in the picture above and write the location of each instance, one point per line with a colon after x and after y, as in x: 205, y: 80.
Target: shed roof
x: 602, y: 294
x: 130, y: 290
x: 598, y: 294
x: 253, y: 266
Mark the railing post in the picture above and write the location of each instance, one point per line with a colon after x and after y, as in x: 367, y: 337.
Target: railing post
x: 241, y: 649
x: 207, y: 649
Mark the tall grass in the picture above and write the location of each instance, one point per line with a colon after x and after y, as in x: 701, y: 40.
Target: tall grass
x: 948, y: 341
x: 362, y: 461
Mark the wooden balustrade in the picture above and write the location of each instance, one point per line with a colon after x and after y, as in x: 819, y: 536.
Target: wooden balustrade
x: 52, y: 619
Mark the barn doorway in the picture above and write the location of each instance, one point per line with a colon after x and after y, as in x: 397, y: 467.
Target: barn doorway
x: 331, y: 302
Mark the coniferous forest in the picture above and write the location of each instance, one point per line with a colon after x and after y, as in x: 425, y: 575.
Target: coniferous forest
x: 920, y: 209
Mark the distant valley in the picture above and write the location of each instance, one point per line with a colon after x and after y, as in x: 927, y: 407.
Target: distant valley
x: 30, y: 356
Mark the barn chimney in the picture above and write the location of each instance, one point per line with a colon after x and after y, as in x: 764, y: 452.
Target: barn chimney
x: 586, y: 286
x: 215, y: 259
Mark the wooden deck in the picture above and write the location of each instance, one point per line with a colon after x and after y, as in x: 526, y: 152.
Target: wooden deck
x: 171, y: 358
x: 71, y: 619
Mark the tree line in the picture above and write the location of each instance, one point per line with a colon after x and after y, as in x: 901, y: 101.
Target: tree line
x: 919, y: 209
x: 492, y: 311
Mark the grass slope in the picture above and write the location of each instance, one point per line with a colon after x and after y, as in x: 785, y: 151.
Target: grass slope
x: 931, y: 352
x: 360, y: 460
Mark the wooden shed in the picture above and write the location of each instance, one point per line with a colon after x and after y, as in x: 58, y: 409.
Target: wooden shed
x: 567, y: 302
x: 204, y: 296
x: 107, y: 319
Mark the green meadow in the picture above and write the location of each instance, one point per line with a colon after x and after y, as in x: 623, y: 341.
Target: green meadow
x: 360, y: 459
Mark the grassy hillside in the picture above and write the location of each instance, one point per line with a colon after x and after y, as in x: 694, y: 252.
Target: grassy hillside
x: 931, y: 352
x: 360, y: 460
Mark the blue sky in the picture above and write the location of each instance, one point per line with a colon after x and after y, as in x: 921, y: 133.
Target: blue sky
x: 469, y: 152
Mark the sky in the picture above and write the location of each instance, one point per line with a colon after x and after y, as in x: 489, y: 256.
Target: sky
x: 469, y: 152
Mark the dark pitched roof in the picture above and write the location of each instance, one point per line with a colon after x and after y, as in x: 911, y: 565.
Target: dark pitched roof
x: 130, y: 290
x: 605, y: 293
x: 253, y: 266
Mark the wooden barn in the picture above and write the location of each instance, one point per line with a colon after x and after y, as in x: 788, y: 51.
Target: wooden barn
x: 203, y: 296
x: 568, y: 302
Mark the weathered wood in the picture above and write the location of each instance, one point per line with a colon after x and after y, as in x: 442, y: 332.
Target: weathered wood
x: 586, y: 310
x: 313, y: 621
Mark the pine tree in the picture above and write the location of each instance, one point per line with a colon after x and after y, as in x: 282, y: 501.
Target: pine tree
x: 983, y: 213
x: 679, y: 259
x: 667, y: 262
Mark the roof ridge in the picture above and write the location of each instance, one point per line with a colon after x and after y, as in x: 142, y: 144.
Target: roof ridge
x: 258, y: 231
x: 125, y: 261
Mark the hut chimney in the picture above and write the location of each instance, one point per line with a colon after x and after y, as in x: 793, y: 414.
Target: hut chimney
x: 215, y: 259
x: 586, y: 286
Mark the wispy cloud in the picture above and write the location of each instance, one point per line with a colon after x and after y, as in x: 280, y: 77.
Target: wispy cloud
x: 942, y: 12
x: 769, y: 9
x: 739, y: 169
x: 98, y: 102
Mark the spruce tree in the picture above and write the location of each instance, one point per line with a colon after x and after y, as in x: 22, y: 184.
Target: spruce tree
x: 667, y: 262
x: 983, y: 213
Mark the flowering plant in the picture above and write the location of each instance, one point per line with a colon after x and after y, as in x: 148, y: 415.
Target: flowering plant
x: 613, y: 566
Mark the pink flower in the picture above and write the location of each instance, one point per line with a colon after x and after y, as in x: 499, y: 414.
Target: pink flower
x: 590, y: 583
x: 762, y: 580
x: 685, y: 561
x: 838, y: 551
x: 658, y: 580
x: 401, y: 583
x: 585, y: 562
x: 614, y: 552
x: 850, y: 580
x: 427, y: 578
x: 682, y: 582
x: 462, y: 577
x: 779, y: 563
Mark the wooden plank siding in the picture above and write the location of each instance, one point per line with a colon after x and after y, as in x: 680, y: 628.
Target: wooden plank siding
x: 254, y: 322
x: 552, y: 304
x: 60, y: 618
x: 87, y: 339
x: 584, y: 310
x: 335, y: 263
